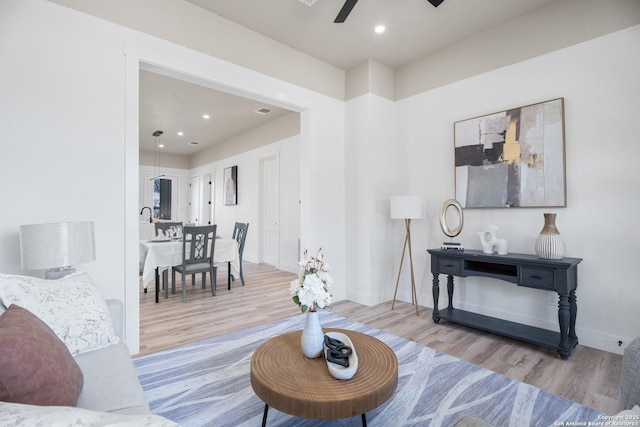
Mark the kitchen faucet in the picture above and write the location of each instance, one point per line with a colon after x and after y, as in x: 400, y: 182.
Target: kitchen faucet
x: 150, y: 213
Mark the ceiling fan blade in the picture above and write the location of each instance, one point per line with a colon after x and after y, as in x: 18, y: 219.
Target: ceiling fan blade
x: 345, y: 11
x: 435, y: 3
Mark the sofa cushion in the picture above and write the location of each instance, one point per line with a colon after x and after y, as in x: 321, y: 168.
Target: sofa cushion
x: 111, y: 382
x: 71, y: 306
x: 630, y: 387
x: 12, y: 414
x: 35, y: 366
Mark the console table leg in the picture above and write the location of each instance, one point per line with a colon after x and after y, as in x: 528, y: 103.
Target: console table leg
x: 564, y: 317
x: 450, y: 290
x: 264, y: 415
x: 573, y: 311
x: 364, y: 420
x: 435, y: 289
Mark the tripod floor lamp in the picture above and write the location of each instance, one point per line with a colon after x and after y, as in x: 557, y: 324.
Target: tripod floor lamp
x: 407, y: 208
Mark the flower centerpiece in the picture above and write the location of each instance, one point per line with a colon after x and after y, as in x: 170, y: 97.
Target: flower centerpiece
x: 311, y: 289
x: 311, y: 292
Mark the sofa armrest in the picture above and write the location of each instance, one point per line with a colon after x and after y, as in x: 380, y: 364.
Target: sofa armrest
x: 630, y: 394
x: 116, y: 311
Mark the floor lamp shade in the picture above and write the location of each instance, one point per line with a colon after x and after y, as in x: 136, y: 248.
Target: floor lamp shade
x: 56, y: 246
x: 408, y: 207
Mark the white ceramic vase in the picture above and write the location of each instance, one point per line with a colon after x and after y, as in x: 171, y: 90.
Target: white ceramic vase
x: 549, y: 244
x: 312, y: 339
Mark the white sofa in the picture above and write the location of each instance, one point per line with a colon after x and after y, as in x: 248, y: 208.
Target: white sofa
x: 111, y: 391
x: 110, y: 380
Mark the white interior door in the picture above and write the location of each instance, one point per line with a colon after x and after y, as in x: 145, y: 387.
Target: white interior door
x: 194, y: 200
x: 271, y: 211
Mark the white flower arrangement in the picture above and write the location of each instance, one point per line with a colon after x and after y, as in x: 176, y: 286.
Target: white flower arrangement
x: 311, y: 289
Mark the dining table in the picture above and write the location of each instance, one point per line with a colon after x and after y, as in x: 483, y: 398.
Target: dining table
x: 159, y: 255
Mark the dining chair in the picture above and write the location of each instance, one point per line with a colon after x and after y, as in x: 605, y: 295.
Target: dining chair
x: 198, y: 245
x: 164, y: 227
x: 240, y: 235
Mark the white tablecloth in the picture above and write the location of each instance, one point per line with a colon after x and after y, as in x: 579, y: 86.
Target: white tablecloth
x: 163, y: 255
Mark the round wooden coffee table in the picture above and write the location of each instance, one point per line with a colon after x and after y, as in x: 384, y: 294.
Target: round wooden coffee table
x: 285, y: 379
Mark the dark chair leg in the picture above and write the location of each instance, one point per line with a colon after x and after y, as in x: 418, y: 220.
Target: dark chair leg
x: 184, y: 288
x: 165, y: 284
x: 157, y: 287
x: 364, y: 420
x: 214, y: 272
x: 228, y: 276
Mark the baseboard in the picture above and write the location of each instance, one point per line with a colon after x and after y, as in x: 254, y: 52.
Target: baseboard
x: 291, y: 268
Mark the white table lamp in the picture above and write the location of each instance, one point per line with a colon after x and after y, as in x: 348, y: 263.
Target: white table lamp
x: 56, y: 247
x: 407, y: 208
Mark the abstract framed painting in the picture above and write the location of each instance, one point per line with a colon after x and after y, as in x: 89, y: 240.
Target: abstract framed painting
x: 230, y: 180
x: 513, y: 158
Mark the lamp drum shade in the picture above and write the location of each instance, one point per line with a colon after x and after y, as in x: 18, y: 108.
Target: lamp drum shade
x: 408, y: 207
x: 45, y: 246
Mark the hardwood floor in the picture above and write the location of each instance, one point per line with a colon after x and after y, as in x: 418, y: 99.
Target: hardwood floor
x: 589, y: 376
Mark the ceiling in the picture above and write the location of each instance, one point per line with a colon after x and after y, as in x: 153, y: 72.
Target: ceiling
x: 173, y: 106
x: 414, y: 29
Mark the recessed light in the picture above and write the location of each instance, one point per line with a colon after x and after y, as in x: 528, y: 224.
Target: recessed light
x: 380, y: 29
x: 180, y: 133
x: 263, y: 110
x: 160, y: 145
x: 205, y: 116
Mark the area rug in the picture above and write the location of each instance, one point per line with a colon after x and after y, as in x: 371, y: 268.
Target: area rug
x: 207, y: 384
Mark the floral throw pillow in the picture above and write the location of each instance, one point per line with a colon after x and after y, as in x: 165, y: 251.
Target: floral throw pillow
x: 71, y: 306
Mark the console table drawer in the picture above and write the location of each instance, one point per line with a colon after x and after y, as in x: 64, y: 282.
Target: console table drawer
x: 537, y: 278
x: 449, y: 265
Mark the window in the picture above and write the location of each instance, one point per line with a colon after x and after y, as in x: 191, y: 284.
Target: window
x: 162, y: 199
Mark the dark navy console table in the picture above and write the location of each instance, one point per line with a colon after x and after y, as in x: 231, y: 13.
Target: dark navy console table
x: 559, y: 276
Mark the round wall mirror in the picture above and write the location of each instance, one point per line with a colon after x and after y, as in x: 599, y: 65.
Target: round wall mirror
x: 459, y: 218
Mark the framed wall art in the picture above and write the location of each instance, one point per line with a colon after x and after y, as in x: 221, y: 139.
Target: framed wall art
x: 513, y: 158
x: 230, y: 179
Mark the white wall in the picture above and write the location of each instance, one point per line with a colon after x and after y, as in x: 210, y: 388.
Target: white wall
x: 374, y: 173
x: 62, y: 147
x: 248, y: 208
x: 600, y: 84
